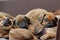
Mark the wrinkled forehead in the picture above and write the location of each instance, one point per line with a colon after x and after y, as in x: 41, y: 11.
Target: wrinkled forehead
x: 19, y: 18
x: 49, y: 16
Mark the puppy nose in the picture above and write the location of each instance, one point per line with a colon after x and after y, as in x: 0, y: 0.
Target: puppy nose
x: 48, y: 25
x: 6, y: 22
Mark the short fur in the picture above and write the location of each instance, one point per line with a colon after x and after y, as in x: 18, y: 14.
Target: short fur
x: 21, y: 34
x: 28, y: 23
x: 36, y: 13
x: 5, y: 24
x: 50, y: 23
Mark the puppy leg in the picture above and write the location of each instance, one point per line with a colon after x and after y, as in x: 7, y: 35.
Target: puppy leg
x: 48, y: 35
x: 31, y: 28
x: 21, y: 34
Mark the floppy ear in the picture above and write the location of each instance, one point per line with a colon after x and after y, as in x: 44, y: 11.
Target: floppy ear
x: 42, y: 18
x: 56, y: 19
x: 14, y: 23
x: 27, y: 19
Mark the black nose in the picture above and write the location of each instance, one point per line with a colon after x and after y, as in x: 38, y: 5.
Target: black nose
x: 48, y: 25
x: 6, y: 22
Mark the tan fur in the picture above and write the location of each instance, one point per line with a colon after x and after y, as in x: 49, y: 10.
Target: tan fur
x: 50, y: 32
x: 36, y: 13
x: 34, y: 23
x: 50, y: 16
x: 4, y: 16
x: 21, y: 34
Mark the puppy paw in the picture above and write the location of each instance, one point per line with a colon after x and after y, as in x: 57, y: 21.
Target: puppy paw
x: 43, y: 37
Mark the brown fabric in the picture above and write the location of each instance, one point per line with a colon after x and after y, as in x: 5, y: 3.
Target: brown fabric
x: 23, y: 6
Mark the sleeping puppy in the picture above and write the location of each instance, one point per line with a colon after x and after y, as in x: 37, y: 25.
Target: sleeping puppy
x: 50, y: 24
x: 36, y: 13
x: 5, y: 24
x: 22, y: 21
x: 57, y: 12
x: 21, y: 34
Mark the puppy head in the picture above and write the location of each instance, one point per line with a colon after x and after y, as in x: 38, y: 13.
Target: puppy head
x: 6, y: 24
x: 49, y: 20
x: 22, y: 21
x: 6, y: 20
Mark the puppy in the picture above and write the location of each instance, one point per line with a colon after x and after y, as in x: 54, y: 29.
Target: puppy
x: 50, y: 24
x: 21, y: 34
x: 37, y: 13
x: 22, y: 21
x: 5, y: 24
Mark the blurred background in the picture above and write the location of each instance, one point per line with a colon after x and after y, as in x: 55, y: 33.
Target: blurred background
x: 23, y: 6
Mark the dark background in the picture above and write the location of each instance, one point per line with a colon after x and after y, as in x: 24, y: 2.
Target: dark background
x: 23, y: 6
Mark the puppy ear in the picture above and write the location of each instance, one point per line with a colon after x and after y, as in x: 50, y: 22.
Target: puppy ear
x: 42, y: 18
x: 14, y: 23
x: 56, y: 19
x: 27, y: 19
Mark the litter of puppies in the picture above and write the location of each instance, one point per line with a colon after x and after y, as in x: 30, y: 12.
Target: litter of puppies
x: 37, y: 24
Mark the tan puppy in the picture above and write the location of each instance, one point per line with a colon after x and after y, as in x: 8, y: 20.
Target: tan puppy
x: 21, y: 34
x: 37, y: 13
x: 5, y: 24
x: 50, y: 24
x: 33, y: 25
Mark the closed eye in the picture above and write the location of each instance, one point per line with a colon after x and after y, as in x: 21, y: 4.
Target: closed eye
x: 46, y: 19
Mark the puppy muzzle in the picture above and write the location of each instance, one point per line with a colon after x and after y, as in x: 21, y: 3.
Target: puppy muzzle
x: 50, y: 25
x: 23, y: 25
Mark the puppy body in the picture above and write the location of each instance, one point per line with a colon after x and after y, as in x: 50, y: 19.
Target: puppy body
x: 5, y: 24
x: 29, y: 23
x: 50, y: 31
x: 21, y: 34
x: 36, y: 13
